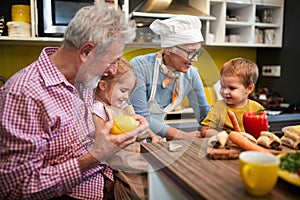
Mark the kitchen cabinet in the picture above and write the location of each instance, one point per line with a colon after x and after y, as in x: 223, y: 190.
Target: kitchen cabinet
x: 252, y: 23
x: 132, y: 10
x: 34, y: 39
x: 228, y: 23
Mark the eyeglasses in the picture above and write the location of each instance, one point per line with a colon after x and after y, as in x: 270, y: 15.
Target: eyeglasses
x: 191, y: 53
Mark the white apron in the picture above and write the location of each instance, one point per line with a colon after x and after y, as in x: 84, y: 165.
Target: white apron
x: 154, y: 109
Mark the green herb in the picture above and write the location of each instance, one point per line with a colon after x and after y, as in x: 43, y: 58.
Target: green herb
x: 290, y: 162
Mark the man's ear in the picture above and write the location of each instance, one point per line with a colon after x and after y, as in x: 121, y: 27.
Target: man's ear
x: 85, y: 49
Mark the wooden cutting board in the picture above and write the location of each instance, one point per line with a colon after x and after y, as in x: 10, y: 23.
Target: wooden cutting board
x: 233, y: 152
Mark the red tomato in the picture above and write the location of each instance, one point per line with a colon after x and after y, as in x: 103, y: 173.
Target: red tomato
x: 255, y: 122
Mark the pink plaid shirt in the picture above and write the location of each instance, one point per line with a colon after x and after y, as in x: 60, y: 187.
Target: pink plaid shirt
x: 43, y: 122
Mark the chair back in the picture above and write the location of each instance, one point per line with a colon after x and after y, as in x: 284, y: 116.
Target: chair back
x: 3, y: 80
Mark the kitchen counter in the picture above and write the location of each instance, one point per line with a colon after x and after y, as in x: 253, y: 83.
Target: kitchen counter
x: 183, y: 119
x: 186, y: 120
x: 189, y: 174
x: 284, y: 117
x: 277, y: 122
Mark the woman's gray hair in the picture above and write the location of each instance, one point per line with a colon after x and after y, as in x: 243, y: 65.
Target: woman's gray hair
x: 100, y: 24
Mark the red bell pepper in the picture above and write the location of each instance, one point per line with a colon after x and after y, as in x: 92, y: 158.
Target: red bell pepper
x: 255, y: 122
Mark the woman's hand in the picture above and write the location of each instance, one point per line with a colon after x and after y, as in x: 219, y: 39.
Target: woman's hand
x: 174, y: 133
x: 188, y: 135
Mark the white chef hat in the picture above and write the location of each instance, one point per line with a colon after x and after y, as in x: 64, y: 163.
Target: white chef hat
x: 181, y: 29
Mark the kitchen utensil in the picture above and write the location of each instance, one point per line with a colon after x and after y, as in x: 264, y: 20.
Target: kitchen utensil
x: 286, y: 128
x: 234, y: 38
x: 2, y: 24
x: 258, y: 171
x: 269, y: 36
x: 288, y: 176
x: 267, y: 16
x: 20, y: 29
x: 259, y: 35
x: 20, y: 13
x: 273, y: 112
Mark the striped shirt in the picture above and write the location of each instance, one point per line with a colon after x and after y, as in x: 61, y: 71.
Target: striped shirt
x: 43, y: 120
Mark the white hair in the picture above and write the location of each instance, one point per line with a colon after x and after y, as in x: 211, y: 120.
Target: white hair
x: 101, y: 24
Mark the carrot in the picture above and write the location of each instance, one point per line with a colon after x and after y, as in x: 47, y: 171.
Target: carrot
x: 244, y: 143
x: 234, y: 121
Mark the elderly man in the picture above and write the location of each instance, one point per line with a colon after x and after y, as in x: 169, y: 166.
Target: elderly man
x: 45, y: 114
x: 166, y: 77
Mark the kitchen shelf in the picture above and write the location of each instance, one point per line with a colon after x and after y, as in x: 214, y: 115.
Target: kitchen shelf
x: 244, y: 20
x: 6, y: 40
x: 217, y: 25
x: 52, y: 41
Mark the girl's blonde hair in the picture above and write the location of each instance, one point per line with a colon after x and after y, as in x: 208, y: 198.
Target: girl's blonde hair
x: 123, y: 67
x: 244, y: 69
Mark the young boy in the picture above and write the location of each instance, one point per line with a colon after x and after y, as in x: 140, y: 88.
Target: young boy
x: 238, y: 77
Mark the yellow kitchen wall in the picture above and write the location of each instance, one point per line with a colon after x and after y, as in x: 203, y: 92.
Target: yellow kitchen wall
x: 15, y: 57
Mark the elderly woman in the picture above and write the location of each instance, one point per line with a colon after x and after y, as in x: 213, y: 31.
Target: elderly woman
x: 165, y: 78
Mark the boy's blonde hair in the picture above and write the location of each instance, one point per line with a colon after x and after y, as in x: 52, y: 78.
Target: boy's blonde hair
x: 244, y: 69
x: 123, y: 67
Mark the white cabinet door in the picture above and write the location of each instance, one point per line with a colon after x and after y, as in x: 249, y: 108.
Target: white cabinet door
x: 257, y: 23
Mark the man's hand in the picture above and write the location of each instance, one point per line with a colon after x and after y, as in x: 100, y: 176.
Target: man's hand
x: 143, y: 124
x: 107, y: 144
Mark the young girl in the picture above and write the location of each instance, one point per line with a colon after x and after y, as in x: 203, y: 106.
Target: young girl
x: 112, y: 94
x: 111, y: 98
x: 238, y: 77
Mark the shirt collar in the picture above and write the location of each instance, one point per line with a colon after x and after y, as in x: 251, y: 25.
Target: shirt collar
x: 49, y: 72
